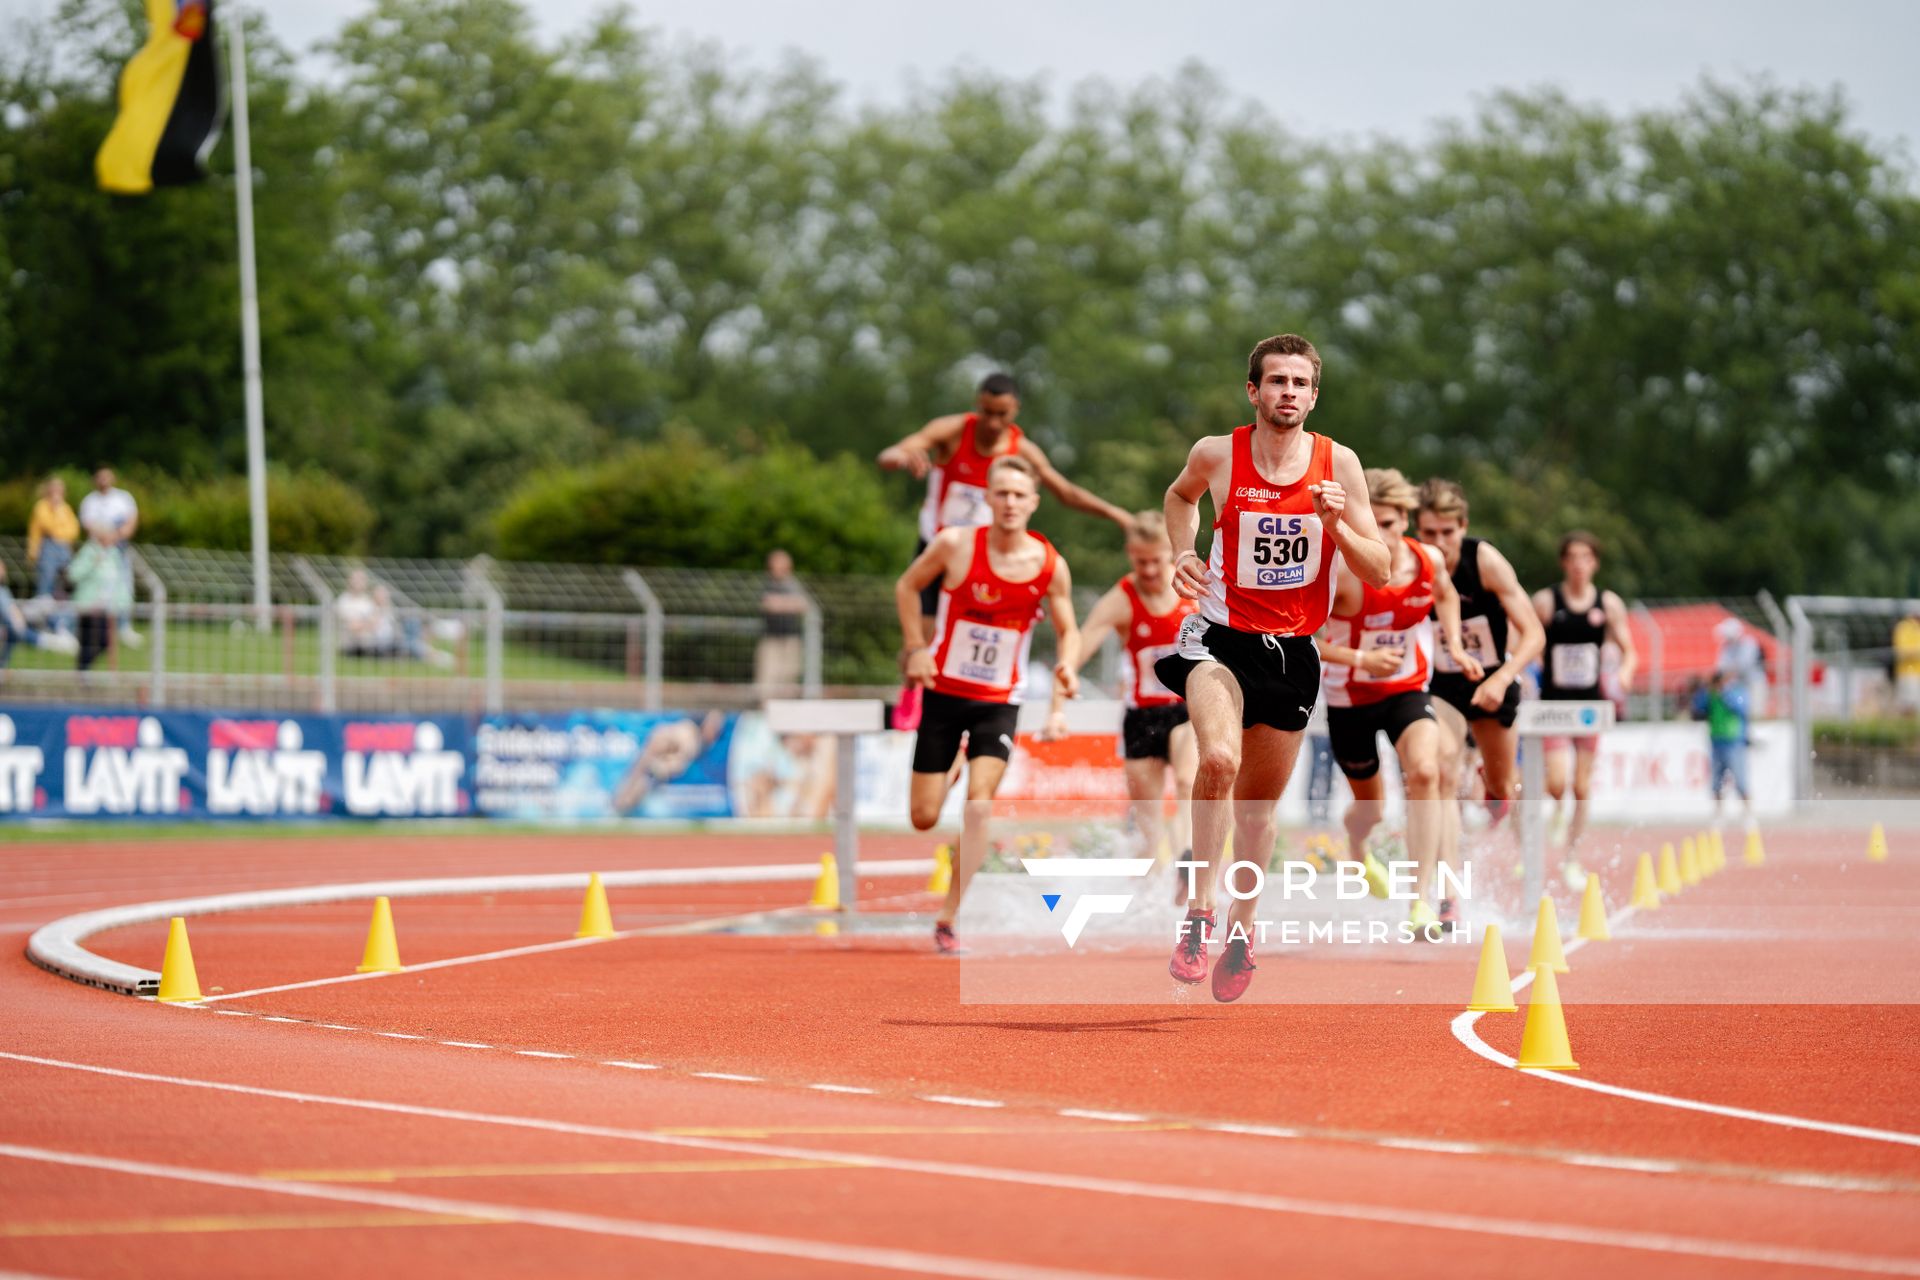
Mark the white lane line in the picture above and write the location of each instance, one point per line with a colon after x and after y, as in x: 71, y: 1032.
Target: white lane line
x: 854, y: 1255
x: 398, y: 1035
x: 631, y: 1066
x: 725, y: 1075
x: 1118, y: 1117
x: 1464, y: 1032
x: 541, y: 1053
x: 1434, y: 1145
x: 839, y: 1088
x: 465, y: 1044
x: 1346, y: 1211
x: 947, y: 1100
x: 507, y: 954
x: 268, y: 1017
x: 1255, y: 1130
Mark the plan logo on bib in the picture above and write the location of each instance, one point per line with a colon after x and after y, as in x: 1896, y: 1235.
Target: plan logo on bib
x: 1086, y: 905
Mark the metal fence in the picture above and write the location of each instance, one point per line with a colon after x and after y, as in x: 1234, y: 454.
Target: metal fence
x: 459, y: 636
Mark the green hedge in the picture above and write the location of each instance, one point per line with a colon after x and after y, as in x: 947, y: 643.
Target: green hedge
x: 307, y: 510
x: 1904, y: 733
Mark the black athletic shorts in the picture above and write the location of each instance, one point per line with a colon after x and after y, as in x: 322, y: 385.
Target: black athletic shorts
x: 1457, y: 692
x: 1146, y: 733
x: 929, y: 594
x: 944, y: 719
x: 1279, y: 675
x: 1351, y: 730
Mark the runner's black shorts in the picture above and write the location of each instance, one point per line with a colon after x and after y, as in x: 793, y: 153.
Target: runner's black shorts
x: 1457, y: 692
x: 1146, y: 733
x: 944, y: 719
x: 1279, y: 675
x: 1351, y: 730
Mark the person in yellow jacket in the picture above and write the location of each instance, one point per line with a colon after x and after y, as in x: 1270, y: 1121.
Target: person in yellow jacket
x: 52, y: 531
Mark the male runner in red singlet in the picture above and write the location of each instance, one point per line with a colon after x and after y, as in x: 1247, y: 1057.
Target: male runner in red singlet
x: 994, y: 582
x: 1378, y: 651
x: 1155, y: 737
x: 952, y: 453
x: 1246, y: 663
x: 1499, y: 628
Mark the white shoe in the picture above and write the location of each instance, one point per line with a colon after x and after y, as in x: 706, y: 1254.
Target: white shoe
x: 59, y: 642
x: 131, y: 638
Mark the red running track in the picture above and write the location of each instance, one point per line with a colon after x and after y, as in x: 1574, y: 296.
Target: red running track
x: 798, y: 1105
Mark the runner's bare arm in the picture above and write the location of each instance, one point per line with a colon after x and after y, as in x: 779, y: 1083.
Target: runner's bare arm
x: 919, y: 451
x: 1622, y: 635
x: 928, y: 567
x: 1069, y: 493
x: 1446, y: 604
x: 1351, y: 521
x: 1526, y: 637
x: 1543, y: 613
x: 1066, y: 667
x: 1210, y: 457
x: 1105, y: 618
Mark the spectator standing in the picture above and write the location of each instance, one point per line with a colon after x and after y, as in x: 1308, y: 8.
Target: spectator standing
x: 102, y: 592
x: 1906, y: 663
x: 53, y: 530
x: 1738, y: 656
x: 778, y: 657
x: 1723, y: 705
x: 111, y: 517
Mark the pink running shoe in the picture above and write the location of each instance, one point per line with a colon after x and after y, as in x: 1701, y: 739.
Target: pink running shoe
x: 906, y: 710
x: 1234, y: 973
x: 944, y: 940
x: 1189, y: 963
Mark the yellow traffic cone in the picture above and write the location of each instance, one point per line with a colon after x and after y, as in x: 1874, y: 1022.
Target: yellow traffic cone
x: 1492, y: 988
x: 1593, y: 912
x: 1669, y: 871
x: 1756, y: 854
x: 1877, y: 844
x: 382, y: 954
x: 1646, y: 892
x: 826, y: 928
x: 826, y: 888
x: 1543, y: 1042
x: 178, y: 982
x: 1546, y: 939
x: 596, y: 921
x: 1689, y: 863
x: 1710, y: 862
x: 942, y: 878
x: 1720, y: 850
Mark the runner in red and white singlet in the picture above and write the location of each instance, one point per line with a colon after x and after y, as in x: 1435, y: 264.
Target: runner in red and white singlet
x: 952, y: 454
x: 994, y: 583
x: 1155, y: 737
x: 1246, y: 663
x: 1378, y: 654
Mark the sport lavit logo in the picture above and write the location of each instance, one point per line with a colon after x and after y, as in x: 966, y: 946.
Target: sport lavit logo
x: 1095, y: 871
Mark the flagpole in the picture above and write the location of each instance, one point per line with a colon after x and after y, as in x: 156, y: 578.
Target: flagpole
x: 250, y: 328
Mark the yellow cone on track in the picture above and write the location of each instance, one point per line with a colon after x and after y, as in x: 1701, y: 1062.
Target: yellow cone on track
x: 178, y: 982
x: 596, y: 921
x: 1756, y: 854
x: 1689, y: 863
x: 1543, y: 1043
x: 382, y: 954
x: 1546, y: 939
x: 1492, y: 987
x: 1646, y: 891
x: 942, y: 878
x: 1877, y: 844
x: 826, y: 886
x: 1669, y: 871
x: 1593, y: 912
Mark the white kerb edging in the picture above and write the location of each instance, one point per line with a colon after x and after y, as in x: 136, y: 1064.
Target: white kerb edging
x: 58, y: 947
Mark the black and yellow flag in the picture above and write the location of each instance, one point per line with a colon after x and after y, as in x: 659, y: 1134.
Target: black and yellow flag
x: 170, y: 104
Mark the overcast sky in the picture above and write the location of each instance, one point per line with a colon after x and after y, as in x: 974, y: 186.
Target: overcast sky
x: 1329, y: 68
